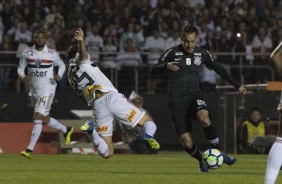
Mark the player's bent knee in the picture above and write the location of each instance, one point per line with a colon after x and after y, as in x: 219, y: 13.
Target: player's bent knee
x: 144, y: 119
x: 206, y: 123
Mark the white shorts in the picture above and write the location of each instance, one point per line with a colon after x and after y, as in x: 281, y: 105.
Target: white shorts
x: 42, y: 103
x: 114, y: 106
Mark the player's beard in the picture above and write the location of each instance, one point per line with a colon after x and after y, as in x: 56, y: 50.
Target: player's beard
x: 39, y: 46
x: 188, y: 49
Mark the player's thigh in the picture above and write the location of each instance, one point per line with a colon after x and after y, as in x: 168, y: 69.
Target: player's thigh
x: 199, y: 110
x: 43, y: 103
x: 103, y: 118
x: 124, y: 111
x: 180, y: 117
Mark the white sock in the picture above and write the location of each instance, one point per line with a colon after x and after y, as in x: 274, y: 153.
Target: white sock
x: 53, y: 123
x: 274, y: 162
x: 150, y: 128
x: 100, y: 144
x: 37, y: 128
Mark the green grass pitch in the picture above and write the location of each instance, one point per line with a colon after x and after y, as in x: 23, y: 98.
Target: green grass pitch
x: 164, y: 168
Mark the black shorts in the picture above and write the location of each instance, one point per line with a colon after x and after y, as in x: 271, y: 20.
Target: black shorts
x: 183, y: 112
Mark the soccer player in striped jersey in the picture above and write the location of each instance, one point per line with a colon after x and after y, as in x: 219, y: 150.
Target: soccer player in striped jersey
x: 91, y: 84
x: 274, y: 158
x: 40, y: 61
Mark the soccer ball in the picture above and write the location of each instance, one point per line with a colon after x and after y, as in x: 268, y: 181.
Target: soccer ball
x: 213, y: 158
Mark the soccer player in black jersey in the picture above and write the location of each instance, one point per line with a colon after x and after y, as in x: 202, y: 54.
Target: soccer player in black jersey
x: 183, y: 62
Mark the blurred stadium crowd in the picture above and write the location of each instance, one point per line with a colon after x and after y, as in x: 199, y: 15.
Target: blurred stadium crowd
x: 243, y: 26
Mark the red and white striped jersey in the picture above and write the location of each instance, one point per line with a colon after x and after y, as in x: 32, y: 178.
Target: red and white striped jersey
x: 40, y: 65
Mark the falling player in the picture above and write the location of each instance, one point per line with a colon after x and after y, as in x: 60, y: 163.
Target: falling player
x: 91, y: 84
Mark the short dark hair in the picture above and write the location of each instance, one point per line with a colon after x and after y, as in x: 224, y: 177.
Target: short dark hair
x: 189, y: 29
x: 39, y: 31
x: 71, y: 52
x: 255, y: 109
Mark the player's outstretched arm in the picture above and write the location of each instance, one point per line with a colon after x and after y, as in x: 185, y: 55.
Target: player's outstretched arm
x: 79, y: 36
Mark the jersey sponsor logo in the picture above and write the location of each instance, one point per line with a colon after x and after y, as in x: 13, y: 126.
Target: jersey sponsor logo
x: 131, y: 115
x: 38, y: 73
x: 89, y: 90
x: 179, y: 53
x: 188, y: 61
x: 197, y: 60
x: 102, y: 129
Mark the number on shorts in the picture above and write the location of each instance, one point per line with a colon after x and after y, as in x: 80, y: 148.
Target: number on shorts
x: 201, y: 102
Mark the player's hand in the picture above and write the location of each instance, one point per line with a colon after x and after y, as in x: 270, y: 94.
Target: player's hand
x: 279, y: 108
x: 25, y: 78
x: 57, y: 77
x: 242, y: 90
x: 79, y: 35
x: 172, y: 66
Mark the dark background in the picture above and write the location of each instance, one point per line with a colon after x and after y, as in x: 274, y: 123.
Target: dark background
x: 14, y: 108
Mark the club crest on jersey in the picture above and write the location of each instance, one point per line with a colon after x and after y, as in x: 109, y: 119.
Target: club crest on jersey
x: 38, y: 63
x: 197, y: 59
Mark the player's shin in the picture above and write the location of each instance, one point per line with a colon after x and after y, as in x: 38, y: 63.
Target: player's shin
x: 212, y: 136
x: 37, y: 128
x: 100, y: 144
x: 194, y: 152
x: 274, y: 162
x: 149, y: 128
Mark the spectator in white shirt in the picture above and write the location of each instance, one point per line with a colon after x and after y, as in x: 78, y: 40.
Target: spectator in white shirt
x: 129, y: 55
x: 155, y: 44
x: 109, y: 60
x: 173, y: 40
x: 22, y: 38
x: 94, y: 43
x: 129, y: 34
